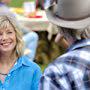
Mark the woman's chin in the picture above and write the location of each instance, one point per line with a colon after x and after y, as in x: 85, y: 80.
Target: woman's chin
x: 6, y: 50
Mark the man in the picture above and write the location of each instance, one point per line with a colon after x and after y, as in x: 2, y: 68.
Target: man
x: 30, y: 38
x: 71, y: 71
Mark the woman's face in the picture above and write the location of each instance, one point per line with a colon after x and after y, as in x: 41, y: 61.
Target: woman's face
x: 7, y: 38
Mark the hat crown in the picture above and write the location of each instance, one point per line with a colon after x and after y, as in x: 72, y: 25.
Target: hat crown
x: 73, y: 9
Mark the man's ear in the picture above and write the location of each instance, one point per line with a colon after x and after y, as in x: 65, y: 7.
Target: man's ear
x: 58, y: 37
x: 61, y: 41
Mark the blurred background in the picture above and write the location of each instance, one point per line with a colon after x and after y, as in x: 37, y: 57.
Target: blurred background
x: 47, y: 49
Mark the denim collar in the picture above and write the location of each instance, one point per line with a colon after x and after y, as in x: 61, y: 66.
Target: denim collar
x: 22, y: 61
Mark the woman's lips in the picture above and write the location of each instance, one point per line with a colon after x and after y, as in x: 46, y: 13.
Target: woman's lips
x: 5, y: 44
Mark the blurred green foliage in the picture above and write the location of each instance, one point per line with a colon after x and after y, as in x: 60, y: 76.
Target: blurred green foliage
x: 43, y: 66
x: 18, y: 3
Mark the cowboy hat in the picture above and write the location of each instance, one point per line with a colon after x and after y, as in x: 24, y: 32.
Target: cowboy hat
x: 68, y: 13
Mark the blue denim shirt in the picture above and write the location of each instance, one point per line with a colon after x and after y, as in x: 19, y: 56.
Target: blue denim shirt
x: 24, y: 75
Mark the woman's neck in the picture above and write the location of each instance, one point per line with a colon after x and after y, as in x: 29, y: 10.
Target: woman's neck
x: 7, y: 61
x: 7, y: 58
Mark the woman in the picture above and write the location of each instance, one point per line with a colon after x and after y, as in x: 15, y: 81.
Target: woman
x: 30, y: 37
x: 17, y: 72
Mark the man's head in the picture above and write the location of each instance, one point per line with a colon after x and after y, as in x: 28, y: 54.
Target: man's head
x: 71, y: 16
x: 69, y: 13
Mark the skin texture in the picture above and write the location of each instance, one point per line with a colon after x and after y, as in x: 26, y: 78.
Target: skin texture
x: 7, y: 39
x: 61, y: 41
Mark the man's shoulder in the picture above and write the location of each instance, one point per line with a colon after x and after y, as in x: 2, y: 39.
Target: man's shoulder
x: 57, y: 66
x: 63, y: 63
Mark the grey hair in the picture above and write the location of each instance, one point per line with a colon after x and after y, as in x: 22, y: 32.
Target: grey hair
x: 86, y: 33
x: 75, y: 34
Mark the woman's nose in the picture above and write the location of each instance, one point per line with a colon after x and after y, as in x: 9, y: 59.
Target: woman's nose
x: 4, y: 36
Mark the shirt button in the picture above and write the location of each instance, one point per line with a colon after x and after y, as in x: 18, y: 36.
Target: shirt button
x: 15, y: 63
x: 9, y: 75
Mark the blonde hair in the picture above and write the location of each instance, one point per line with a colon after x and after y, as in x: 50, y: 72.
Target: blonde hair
x: 4, y: 19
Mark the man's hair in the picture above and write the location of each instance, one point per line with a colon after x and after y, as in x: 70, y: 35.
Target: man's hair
x: 4, y: 19
x: 75, y: 34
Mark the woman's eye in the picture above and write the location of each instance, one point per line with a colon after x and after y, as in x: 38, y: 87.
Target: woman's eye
x: 9, y: 32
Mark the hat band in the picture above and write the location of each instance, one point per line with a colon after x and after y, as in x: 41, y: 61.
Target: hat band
x: 73, y: 19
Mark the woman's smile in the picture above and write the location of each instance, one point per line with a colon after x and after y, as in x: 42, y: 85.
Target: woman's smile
x: 5, y: 44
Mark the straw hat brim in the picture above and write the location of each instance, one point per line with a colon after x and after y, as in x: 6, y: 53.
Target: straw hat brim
x: 78, y: 24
